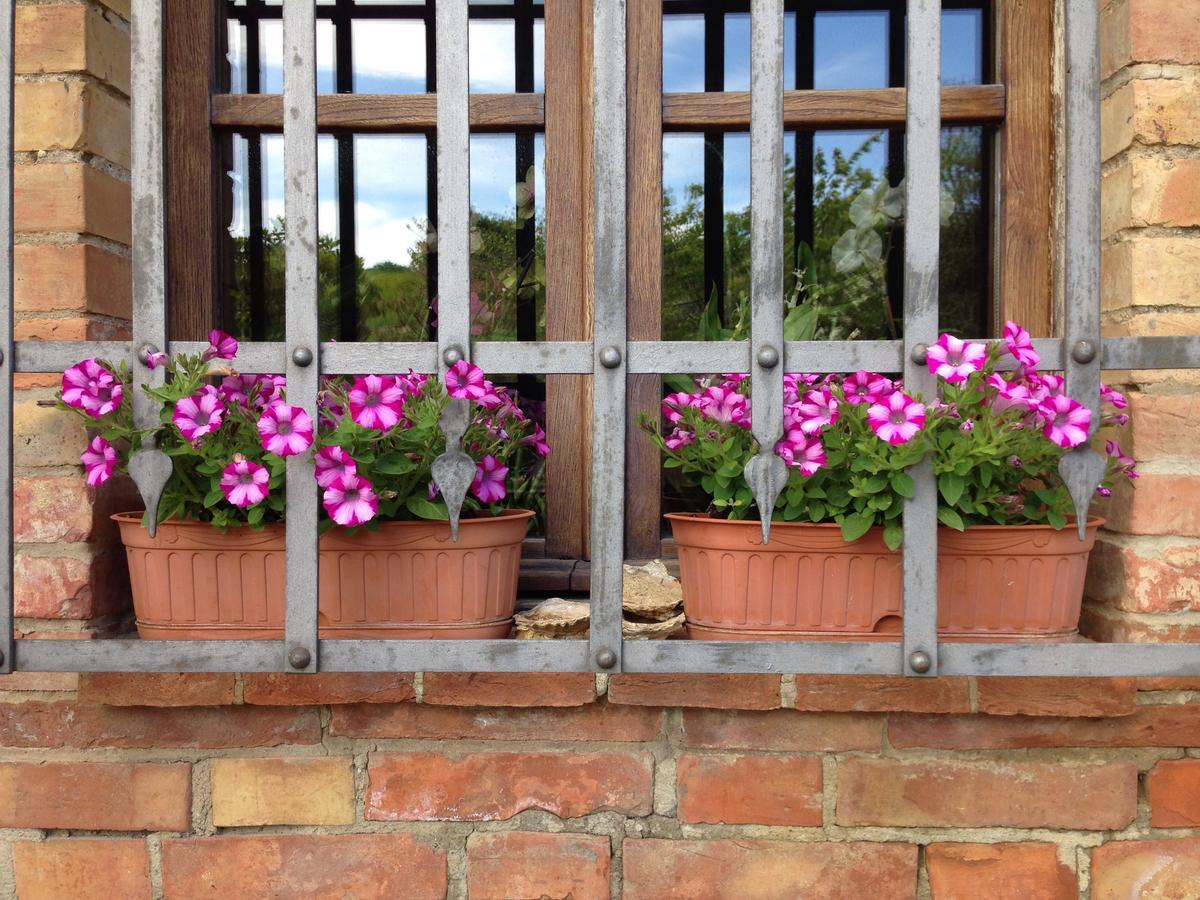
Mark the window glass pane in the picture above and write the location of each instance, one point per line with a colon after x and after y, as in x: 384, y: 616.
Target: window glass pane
x: 492, y: 56
x: 850, y: 50
x: 270, y: 36
x: 683, y: 235
x: 235, y: 56
x: 737, y: 52
x: 389, y: 56
x: 539, y: 56
x: 963, y: 285
x: 683, y: 53
x: 962, y: 46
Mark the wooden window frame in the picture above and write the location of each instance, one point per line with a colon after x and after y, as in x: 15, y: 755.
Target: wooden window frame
x: 1021, y: 107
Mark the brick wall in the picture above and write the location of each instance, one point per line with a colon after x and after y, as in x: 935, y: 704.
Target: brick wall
x: 403, y: 785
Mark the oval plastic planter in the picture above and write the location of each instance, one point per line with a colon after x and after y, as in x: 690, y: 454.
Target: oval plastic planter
x: 404, y: 580
x: 995, y: 582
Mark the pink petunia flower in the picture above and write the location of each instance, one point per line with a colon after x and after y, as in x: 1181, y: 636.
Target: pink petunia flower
x: 492, y: 397
x: 818, y: 410
x: 156, y: 359
x: 537, y: 440
x: 1113, y: 397
x: 1066, y: 422
x: 220, y: 346
x: 285, y: 430
x: 1125, y: 463
x: 466, y: 382
x: 802, y: 452
x: 896, y: 418
x: 488, y: 484
x: 350, y: 501
x: 673, y: 405
x: 955, y: 360
x: 99, y: 460
x: 91, y: 387
x: 376, y: 402
x: 1009, y: 395
x: 244, y: 483
x: 678, y: 438
x: 1020, y: 345
x: 865, y: 387
x: 724, y: 406
x: 198, y: 415
x: 331, y: 464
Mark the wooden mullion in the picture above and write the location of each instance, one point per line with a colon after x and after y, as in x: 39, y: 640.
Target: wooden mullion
x: 568, y: 302
x: 392, y: 113
x: 643, y: 184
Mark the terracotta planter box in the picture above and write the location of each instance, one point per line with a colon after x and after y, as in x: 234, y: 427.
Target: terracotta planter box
x: 995, y: 582
x: 405, y: 580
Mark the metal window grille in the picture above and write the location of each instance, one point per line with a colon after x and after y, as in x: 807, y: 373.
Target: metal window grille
x: 608, y: 358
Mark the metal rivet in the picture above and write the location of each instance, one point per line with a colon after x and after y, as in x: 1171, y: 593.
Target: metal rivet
x: 1, y: 357
x: 768, y: 356
x: 1, y: 657
x: 299, y: 657
x: 606, y: 659
x: 920, y: 661
x: 453, y: 355
x: 919, y: 354
x: 1083, y: 352
x: 610, y: 358
x: 145, y: 352
x: 303, y: 357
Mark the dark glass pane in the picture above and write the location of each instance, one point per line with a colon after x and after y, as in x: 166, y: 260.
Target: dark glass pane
x: 683, y: 235
x: 964, y: 274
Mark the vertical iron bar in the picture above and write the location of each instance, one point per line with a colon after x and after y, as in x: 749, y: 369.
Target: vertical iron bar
x: 766, y: 473
x: 301, y: 291
x: 454, y: 469
x: 6, y: 334
x: 609, y: 337
x: 1082, y: 468
x: 921, y: 197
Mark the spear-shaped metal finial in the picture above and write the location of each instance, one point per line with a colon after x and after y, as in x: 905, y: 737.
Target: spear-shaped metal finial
x: 1082, y: 470
x: 454, y: 469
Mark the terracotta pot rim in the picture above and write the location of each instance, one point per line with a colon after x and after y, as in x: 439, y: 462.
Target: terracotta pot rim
x: 473, y: 521
x: 1092, y: 522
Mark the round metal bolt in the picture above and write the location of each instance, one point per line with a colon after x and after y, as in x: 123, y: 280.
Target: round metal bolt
x: 1, y: 357
x: 1083, y: 352
x: 303, y: 357
x: 452, y: 355
x: 145, y: 352
x: 1, y: 657
x: 610, y: 358
x: 768, y: 356
x: 919, y: 661
x: 606, y: 659
x: 919, y: 354
x: 299, y: 657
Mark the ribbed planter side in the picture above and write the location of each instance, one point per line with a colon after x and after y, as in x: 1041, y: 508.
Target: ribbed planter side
x: 998, y: 582
x: 405, y: 580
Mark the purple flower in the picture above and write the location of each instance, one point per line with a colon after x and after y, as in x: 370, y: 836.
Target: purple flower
x: 955, y: 360
x: 92, y: 388
x: 897, y: 418
x: 802, y: 452
x: 465, y: 381
x: 331, y: 464
x: 1124, y: 462
x: 285, y: 430
x: 1066, y: 422
x: 537, y: 440
x: 198, y: 415
x: 99, y: 460
x: 865, y: 387
x: 678, y: 438
x: 488, y: 484
x: 220, y: 346
x: 244, y: 483
x: 817, y: 411
x: 376, y: 402
x: 1020, y: 345
x: 350, y: 501
x: 724, y: 406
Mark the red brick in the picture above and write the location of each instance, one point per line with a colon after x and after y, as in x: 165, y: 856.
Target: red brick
x: 508, y: 864
x: 78, y: 725
x: 156, y: 689
x: 767, y: 870
x: 485, y: 786
x: 76, y: 328
x: 1122, y: 577
x: 1092, y: 697
x: 48, y: 509
x: 509, y: 689
x: 713, y: 691
x: 1149, y: 726
x: 1109, y: 626
x: 70, y: 197
x: 1164, y: 31
x: 1173, y: 788
x: 70, y: 587
x: 302, y: 866
x: 72, y: 277
x: 782, y: 730
x: 998, y: 872
x: 1157, y: 504
x: 58, y: 869
x: 39, y: 681
x: 276, y: 689
x: 749, y: 790
x: 869, y: 693
x: 62, y: 38
x: 100, y: 796
x: 1161, y: 425
x: 985, y: 793
x: 1147, y: 870
x: 1182, y: 683
x: 598, y: 722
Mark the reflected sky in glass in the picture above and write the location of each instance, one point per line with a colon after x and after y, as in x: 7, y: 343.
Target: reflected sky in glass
x: 389, y: 56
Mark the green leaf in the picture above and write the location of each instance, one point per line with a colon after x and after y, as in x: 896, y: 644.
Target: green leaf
x: 951, y: 519
x: 255, y: 516
x: 213, y: 497
x: 1056, y: 519
x: 951, y: 487
x: 394, y: 464
x: 893, y: 535
x: 425, y: 509
x: 855, y: 526
x: 902, y: 484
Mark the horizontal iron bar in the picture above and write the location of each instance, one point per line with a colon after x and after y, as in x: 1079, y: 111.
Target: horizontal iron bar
x: 575, y: 357
x: 801, y: 658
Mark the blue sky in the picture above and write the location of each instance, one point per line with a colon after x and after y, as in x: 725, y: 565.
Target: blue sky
x: 389, y: 57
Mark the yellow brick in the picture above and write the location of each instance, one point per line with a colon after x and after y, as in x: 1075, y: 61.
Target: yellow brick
x: 1151, y: 191
x: 73, y: 277
x: 71, y: 197
x: 1151, y: 111
x: 297, y: 791
x: 56, y: 39
x: 1148, y: 31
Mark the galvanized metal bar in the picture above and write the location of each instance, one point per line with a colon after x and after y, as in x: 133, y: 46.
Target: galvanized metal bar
x: 148, y: 466
x: 1082, y: 468
x: 7, y: 359
x: 922, y: 186
x: 766, y: 473
x: 609, y: 335
x: 302, y: 364
x: 454, y: 469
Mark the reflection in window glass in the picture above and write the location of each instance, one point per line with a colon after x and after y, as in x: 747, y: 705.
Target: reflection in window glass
x: 963, y: 281
x: 962, y: 46
x: 389, y: 56
x: 270, y: 38
x: 683, y: 235
x: 492, y: 57
x: 850, y: 50
x: 235, y: 56
x: 683, y: 53
x: 737, y: 52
